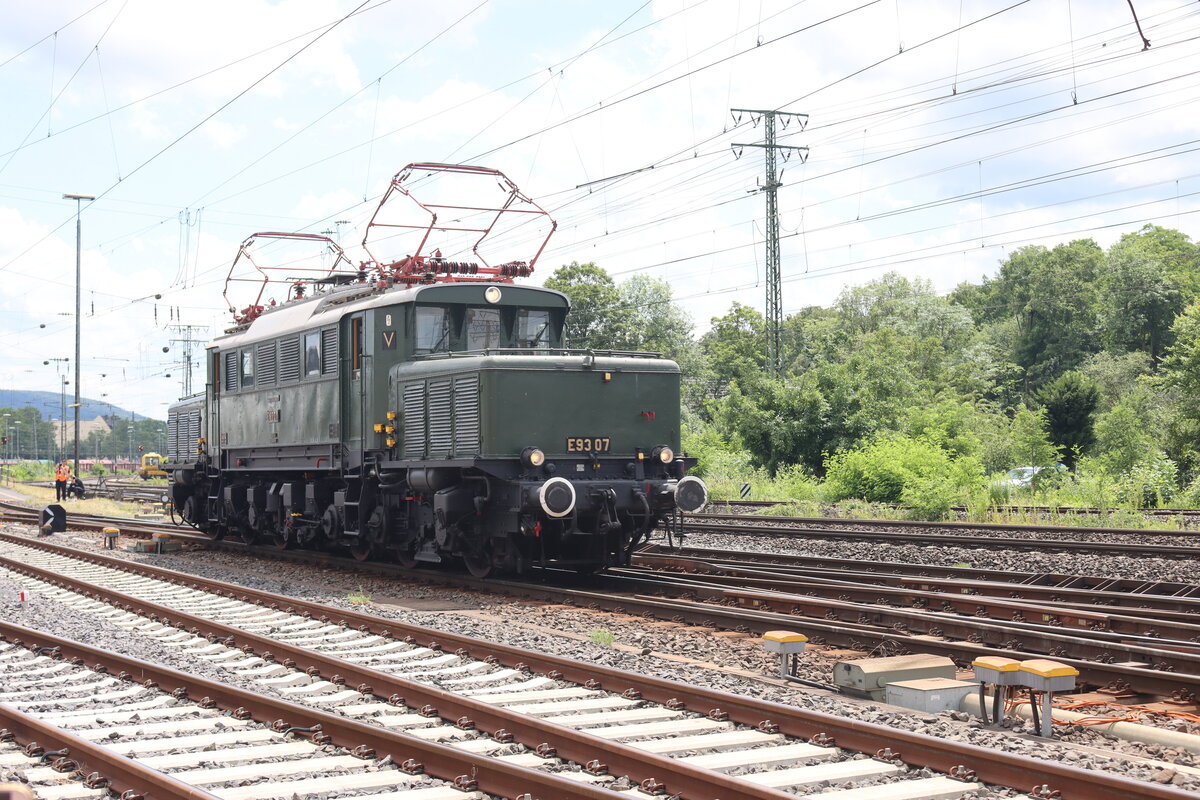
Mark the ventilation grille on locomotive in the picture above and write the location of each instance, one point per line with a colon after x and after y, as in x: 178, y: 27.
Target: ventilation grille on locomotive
x: 231, y: 371
x: 183, y: 431
x: 414, y: 420
x: 289, y: 360
x: 466, y: 416
x: 265, y: 357
x: 329, y: 351
x: 441, y: 419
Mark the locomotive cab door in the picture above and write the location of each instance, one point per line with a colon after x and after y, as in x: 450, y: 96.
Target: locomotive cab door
x: 356, y: 398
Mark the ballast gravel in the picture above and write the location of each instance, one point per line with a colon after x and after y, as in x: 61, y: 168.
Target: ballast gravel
x: 692, y: 655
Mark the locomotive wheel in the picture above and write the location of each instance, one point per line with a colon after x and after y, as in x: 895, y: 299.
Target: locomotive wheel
x: 362, y: 550
x: 479, y: 561
x: 248, y: 534
x: 407, y: 557
x: 281, y: 540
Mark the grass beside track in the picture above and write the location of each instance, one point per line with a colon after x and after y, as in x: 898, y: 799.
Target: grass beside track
x: 99, y: 506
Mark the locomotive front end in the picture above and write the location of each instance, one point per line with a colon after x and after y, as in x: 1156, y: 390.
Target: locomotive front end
x: 575, y: 454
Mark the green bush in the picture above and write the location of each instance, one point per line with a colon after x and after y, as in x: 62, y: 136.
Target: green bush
x: 885, y: 469
x: 930, y: 497
x: 1150, y: 484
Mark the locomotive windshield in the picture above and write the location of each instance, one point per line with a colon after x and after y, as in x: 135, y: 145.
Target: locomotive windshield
x: 482, y: 329
x: 433, y: 330
x: 463, y: 328
x: 533, y: 328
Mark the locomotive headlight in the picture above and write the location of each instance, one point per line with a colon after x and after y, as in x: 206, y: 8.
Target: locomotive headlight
x: 664, y: 454
x: 492, y: 294
x: 532, y: 457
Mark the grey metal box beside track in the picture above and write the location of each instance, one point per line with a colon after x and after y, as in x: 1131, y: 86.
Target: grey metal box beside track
x: 868, y: 677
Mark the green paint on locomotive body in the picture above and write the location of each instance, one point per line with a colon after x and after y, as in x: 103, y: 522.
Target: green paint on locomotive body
x: 304, y: 385
x: 567, y: 404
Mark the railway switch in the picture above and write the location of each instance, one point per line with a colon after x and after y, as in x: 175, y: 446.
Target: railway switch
x: 1044, y: 678
x: 789, y: 645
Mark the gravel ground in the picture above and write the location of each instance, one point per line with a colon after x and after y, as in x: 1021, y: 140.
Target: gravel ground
x: 666, y: 650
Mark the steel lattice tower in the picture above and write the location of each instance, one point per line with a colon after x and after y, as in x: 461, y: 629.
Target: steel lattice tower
x: 774, y: 313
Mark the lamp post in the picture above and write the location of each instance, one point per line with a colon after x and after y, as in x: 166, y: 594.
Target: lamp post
x: 78, y: 198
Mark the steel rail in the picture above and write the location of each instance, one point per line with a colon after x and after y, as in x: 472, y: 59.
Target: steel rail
x: 574, y: 745
x: 1005, y: 769
x: 1088, y: 620
x: 1166, y: 594
x: 73, y: 754
x: 1182, y: 604
x: 1172, y: 673
x: 947, y: 525
x: 1010, y: 509
x: 995, y: 543
x: 438, y: 760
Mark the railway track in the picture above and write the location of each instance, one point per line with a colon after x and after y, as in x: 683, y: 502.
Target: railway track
x: 603, y: 720
x: 1019, y: 537
x: 1162, y: 599
x: 1134, y: 651
x: 80, y: 722
x: 729, y: 505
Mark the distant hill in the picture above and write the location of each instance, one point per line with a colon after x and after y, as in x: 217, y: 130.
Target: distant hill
x: 49, y: 405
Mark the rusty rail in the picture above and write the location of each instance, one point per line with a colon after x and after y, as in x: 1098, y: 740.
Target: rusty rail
x: 1006, y: 769
x: 438, y: 760
x: 102, y: 767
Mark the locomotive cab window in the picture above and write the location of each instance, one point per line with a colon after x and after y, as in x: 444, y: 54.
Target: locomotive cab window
x: 534, y: 328
x: 433, y: 330
x: 356, y: 349
x: 312, y: 353
x: 482, y: 329
x: 247, y: 368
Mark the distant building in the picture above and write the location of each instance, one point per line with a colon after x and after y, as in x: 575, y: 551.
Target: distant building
x: 66, y: 430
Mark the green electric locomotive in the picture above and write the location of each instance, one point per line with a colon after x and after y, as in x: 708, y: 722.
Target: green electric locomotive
x: 428, y: 412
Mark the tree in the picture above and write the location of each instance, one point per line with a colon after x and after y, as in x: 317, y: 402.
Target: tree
x: 1141, y: 296
x: 592, y: 323
x: 1031, y: 445
x: 735, y: 345
x: 1069, y: 401
x: 777, y: 423
x: 1127, y: 433
x: 1116, y: 373
x: 647, y: 318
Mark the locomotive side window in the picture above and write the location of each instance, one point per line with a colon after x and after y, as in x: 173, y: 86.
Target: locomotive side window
x: 433, y: 330
x: 356, y: 331
x: 312, y: 353
x: 533, y: 328
x: 247, y: 368
x: 482, y: 328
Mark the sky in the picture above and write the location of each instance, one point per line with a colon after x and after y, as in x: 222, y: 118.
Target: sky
x: 923, y: 137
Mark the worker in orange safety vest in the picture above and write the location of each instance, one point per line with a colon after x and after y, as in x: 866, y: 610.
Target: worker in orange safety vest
x: 62, y: 476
